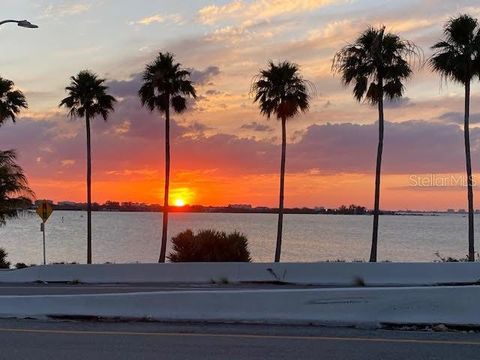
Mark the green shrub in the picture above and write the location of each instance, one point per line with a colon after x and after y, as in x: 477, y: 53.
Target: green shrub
x: 4, y: 264
x: 209, y: 246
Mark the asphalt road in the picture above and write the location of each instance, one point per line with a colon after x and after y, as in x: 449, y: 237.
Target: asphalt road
x: 69, y: 289
x: 39, y: 340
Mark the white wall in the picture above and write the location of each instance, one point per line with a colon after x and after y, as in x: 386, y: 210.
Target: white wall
x: 359, y: 306
x: 337, y: 274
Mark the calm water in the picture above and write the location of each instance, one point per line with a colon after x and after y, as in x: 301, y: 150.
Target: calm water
x: 135, y: 237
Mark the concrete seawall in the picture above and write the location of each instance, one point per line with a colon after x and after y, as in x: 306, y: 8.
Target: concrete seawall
x: 328, y: 274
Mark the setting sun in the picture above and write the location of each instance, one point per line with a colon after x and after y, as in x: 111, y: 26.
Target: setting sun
x: 179, y: 202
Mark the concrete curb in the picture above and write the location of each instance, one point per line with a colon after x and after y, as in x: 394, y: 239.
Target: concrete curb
x: 359, y: 306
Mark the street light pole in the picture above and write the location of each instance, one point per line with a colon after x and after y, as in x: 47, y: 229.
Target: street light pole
x: 21, y: 23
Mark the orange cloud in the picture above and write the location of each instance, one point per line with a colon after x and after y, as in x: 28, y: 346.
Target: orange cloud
x: 159, y: 18
x: 257, y: 10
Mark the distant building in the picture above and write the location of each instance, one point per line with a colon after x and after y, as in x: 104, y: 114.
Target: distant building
x: 68, y: 203
x: 450, y: 211
x: 240, y: 206
x: 461, y: 211
x: 38, y: 202
x: 112, y: 204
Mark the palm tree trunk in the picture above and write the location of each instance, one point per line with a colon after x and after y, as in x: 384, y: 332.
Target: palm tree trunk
x: 163, y: 248
x: 471, y: 240
x: 89, y: 192
x: 278, y: 249
x: 376, y: 209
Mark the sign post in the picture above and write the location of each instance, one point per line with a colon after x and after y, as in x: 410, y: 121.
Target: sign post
x: 44, y: 210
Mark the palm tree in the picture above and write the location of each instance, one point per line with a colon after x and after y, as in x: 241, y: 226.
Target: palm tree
x: 280, y: 90
x: 15, y: 194
x: 166, y: 85
x: 88, y: 98
x: 11, y: 101
x: 457, y: 58
x: 376, y: 63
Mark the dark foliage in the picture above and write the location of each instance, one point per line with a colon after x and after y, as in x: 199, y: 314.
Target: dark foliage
x: 12, y: 101
x: 15, y: 195
x: 457, y: 56
x: 165, y: 84
x: 209, y: 246
x: 4, y: 264
x: 443, y: 259
x: 376, y: 58
x: 280, y: 90
x: 87, y: 96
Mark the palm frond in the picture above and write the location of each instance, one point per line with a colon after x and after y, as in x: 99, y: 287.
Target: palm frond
x: 376, y: 57
x: 87, y: 96
x: 165, y: 84
x: 12, y: 101
x: 457, y: 56
x: 15, y: 194
x: 281, y: 90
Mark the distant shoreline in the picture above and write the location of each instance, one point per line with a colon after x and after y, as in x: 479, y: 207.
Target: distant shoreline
x: 270, y: 211
x: 112, y: 206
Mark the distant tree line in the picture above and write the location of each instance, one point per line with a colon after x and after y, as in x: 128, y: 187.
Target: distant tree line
x: 142, y: 207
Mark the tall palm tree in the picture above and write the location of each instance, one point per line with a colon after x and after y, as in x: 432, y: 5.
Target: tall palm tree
x: 280, y: 90
x: 457, y: 58
x: 12, y: 101
x: 15, y: 194
x: 377, y: 65
x: 166, y: 85
x: 88, y: 98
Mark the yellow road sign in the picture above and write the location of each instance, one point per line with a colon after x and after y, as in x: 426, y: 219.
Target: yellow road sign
x: 44, y: 209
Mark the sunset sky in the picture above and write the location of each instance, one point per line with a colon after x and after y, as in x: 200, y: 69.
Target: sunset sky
x: 223, y: 150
